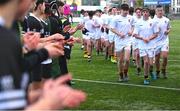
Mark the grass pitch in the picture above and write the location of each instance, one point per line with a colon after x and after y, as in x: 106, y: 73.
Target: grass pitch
x: 121, y: 97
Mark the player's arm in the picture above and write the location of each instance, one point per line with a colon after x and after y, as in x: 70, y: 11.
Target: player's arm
x: 131, y: 31
x: 137, y: 36
x: 168, y: 29
x: 74, y: 30
x: 153, y: 36
x: 52, y: 37
x: 136, y: 33
x: 115, y: 31
x: 156, y: 29
x: 112, y: 28
x: 95, y: 25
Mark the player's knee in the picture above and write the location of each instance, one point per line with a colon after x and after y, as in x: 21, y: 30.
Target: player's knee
x: 121, y: 61
x: 164, y: 59
x: 127, y: 60
x: 164, y: 56
x: 89, y: 45
x: 146, y: 62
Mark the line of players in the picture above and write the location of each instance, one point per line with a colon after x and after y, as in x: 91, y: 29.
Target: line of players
x: 118, y: 31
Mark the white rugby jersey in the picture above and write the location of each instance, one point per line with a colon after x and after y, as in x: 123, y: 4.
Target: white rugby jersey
x: 124, y: 25
x: 146, y: 28
x: 89, y: 25
x: 135, y: 21
x: 110, y: 22
x: 104, y: 18
x: 164, y: 24
x: 98, y: 22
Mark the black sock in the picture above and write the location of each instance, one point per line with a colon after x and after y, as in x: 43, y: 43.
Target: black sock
x: 145, y: 77
x: 157, y: 72
x: 163, y: 71
x: 125, y: 72
x: 138, y: 69
x: 121, y: 75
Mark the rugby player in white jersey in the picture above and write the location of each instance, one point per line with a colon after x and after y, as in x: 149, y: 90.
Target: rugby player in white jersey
x: 162, y: 41
x: 137, y: 17
x: 131, y: 14
x: 105, y: 34
x: 89, y: 31
x: 146, y: 31
x: 82, y: 16
x: 98, y: 22
x: 122, y: 27
x: 111, y: 35
x: 84, y: 46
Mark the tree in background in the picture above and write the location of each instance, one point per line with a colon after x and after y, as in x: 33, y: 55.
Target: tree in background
x: 139, y: 3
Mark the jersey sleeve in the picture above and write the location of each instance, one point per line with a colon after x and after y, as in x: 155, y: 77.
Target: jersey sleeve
x: 169, y: 25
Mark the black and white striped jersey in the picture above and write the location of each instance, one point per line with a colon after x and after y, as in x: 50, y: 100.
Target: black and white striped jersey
x: 13, y: 80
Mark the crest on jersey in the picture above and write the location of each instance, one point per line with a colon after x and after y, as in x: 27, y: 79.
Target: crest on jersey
x: 129, y: 20
x: 165, y: 21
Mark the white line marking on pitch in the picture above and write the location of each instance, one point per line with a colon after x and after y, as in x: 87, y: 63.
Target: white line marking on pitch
x: 173, y: 60
x: 126, y: 84
x: 174, y: 48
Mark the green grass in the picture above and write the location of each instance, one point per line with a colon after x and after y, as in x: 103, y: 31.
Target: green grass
x: 119, y: 97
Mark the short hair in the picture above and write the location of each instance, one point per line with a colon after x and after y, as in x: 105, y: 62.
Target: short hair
x: 152, y: 12
x: 91, y: 13
x: 145, y: 9
x: 159, y: 6
x: 2, y: 2
x: 47, y: 9
x: 125, y: 7
x: 98, y: 10
x: 138, y: 9
x: 39, y: 2
x: 60, y: 3
x: 131, y: 10
x: 110, y: 10
x: 82, y: 11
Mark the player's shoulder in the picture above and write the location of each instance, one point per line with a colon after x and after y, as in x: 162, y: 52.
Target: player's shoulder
x: 86, y: 18
x: 95, y: 17
x: 134, y: 17
x: 32, y: 17
x: 166, y: 19
x: 152, y: 20
x: 129, y: 16
x: 115, y: 18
